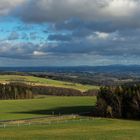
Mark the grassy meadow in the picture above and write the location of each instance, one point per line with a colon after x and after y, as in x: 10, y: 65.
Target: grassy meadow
x: 22, y: 109
x: 94, y: 129
x: 45, y: 81
x: 65, y: 128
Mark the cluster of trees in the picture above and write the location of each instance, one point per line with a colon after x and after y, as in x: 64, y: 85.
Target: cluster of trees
x: 55, y: 91
x: 119, y: 102
x: 60, y: 91
x: 15, y: 91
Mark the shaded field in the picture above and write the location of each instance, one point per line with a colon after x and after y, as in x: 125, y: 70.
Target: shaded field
x: 22, y: 109
x: 46, y: 82
x: 86, y: 129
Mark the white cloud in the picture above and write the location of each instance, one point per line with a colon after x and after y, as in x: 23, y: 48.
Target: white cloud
x: 102, y: 35
x: 39, y: 53
x: 121, y: 8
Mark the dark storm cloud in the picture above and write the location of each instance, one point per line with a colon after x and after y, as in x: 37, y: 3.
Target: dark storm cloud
x: 104, y: 29
x: 104, y: 44
x: 16, y: 50
x: 87, y: 9
x: 77, y: 24
x: 60, y: 37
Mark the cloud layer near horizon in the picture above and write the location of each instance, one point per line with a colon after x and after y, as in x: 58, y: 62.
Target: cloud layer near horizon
x: 57, y: 31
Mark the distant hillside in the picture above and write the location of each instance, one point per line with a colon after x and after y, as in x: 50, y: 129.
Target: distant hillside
x: 85, y: 75
x: 120, y: 69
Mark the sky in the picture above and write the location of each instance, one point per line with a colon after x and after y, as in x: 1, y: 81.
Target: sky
x: 69, y: 32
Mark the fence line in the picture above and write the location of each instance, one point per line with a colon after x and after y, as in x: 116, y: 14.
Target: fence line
x: 18, y: 124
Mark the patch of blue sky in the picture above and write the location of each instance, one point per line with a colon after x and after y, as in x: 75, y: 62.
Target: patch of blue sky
x: 27, y: 32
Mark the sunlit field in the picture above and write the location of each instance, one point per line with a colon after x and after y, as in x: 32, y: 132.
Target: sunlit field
x: 45, y: 81
x: 61, y: 118
x: 21, y: 109
x: 86, y: 129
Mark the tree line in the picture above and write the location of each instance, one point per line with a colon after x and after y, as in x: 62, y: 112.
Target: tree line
x: 24, y: 91
x: 119, y: 102
x: 15, y: 91
x: 60, y: 91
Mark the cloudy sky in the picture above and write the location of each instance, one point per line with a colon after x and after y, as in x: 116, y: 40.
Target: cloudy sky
x: 69, y: 32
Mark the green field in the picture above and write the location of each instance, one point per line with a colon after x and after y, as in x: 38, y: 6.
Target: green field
x: 96, y: 129
x: 45, y: 81
x: 20, y: 109
x: 65, y: 126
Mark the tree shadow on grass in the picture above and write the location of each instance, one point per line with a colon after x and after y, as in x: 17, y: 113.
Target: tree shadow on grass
x: 76, y: 110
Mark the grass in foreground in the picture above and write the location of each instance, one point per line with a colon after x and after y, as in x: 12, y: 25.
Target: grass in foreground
x: 45, y: 81
x: 73, y: 129
x: 95, y: 129
x: 21, y: 109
